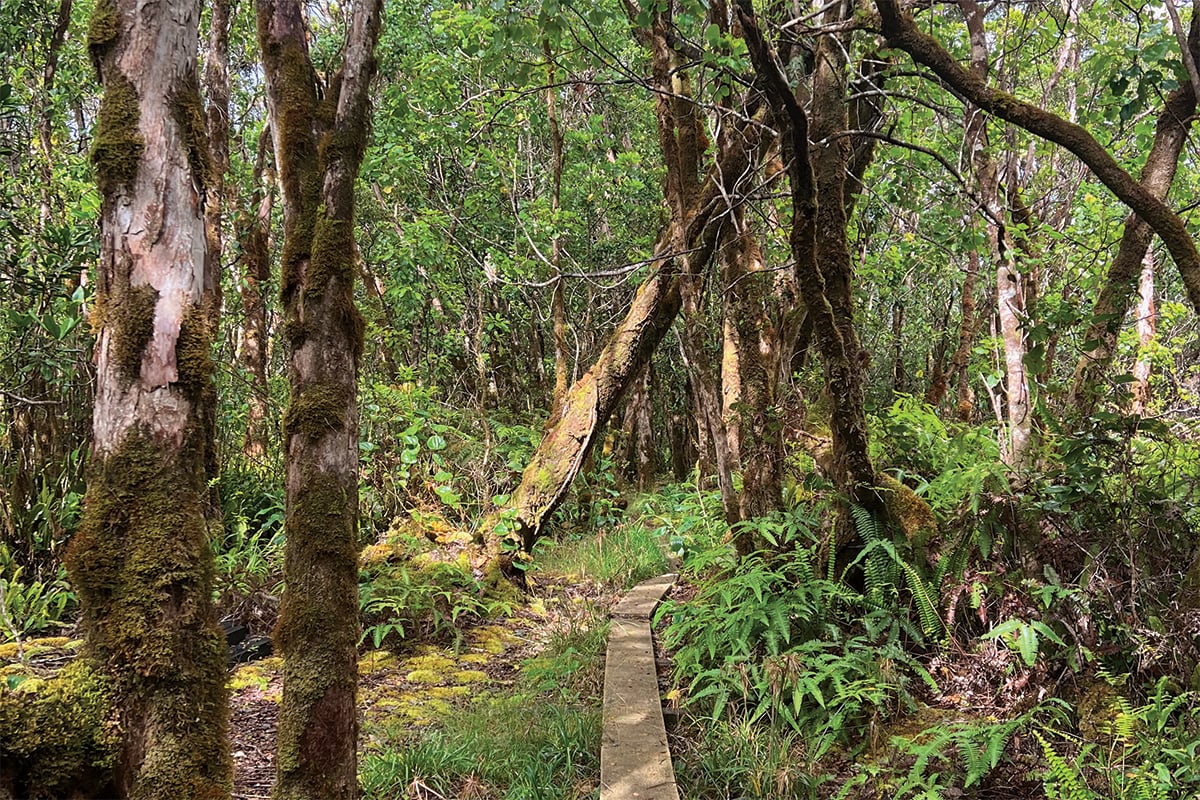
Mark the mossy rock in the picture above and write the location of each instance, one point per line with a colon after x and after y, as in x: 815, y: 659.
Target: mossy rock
x: 59, y: 736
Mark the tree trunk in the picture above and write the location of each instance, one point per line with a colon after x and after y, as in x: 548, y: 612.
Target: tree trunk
x: 318, y: 148
x: 1112, y: 304
x: 1016, y: 443
x: 819, y: 246
x: 1147, y: 320
x: 253, y: 226
x: 141, y: 562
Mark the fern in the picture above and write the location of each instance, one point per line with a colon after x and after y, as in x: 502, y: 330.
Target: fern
x: 880, y: 572
x: 1064, y: 781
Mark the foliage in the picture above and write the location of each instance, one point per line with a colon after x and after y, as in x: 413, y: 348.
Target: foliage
x: 1148, y: 751
x: 404, y: 601
x: 29, y: 607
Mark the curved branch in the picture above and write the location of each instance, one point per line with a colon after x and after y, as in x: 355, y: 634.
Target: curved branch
x: 903, y: 34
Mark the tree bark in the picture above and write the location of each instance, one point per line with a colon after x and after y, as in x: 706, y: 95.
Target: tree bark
x: 254, y: 226
x: 141, y: 562
x: 1147, y: 323
x: 1016, y: 443
x: 819, y: 246
x: 319, y: 145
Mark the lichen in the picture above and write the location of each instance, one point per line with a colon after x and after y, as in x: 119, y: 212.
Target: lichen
x: 317, y: 409
x: 117, y: 143
x: 131, y: 319
x: 60, y: 735
x: 142, y: 567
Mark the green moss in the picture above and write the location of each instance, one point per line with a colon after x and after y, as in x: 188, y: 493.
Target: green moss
x: 117, y: 143
x: 141, y: 565
x: 193, y: 349
x: 131, y: 317
x: 317, y: 409
x: 470, y: 676
x: 187, y: 109
x: 317, y: 634
x: 103, y: 27
x: 423, y: 676
x: 60, y: 735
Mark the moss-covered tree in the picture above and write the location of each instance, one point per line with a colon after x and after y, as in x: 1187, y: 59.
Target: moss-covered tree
x: 319, y: 132
x: 140, y: 561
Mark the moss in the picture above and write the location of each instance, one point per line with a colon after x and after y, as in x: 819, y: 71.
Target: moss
x: 141, y: 565
x: 910, y: 511
x: 193, y: 350
x: 60, y: 735
x: 131, y: 319
x: 423, y: 676
x: 377, y: 661
x: 470, y: 676
x: 317, y: 636
x: 449, y: 692
x: 33, y: 647
x: 187, y: 109
x: 476, y: 658
x: 317, y: 409
x: 103, y: 27
x: 246, y: 677
x: 430, y: 663
x: 117, y: 143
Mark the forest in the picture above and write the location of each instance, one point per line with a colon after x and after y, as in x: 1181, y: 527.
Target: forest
x: 357, y: 356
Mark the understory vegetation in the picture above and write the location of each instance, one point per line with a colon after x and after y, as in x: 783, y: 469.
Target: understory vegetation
x: 875, y: 321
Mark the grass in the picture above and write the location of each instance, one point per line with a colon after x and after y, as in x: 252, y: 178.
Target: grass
x: 719, y: 759
x: 542, y: 742
x: 620, y: 558
x: 515, y: 746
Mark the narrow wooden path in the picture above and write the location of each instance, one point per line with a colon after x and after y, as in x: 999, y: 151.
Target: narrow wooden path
x: 635, y: 763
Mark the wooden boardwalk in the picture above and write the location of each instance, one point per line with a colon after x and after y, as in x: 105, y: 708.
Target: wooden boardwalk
x: 635, y: 763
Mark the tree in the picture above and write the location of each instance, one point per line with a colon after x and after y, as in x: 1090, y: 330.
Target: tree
x: 140, y: 561
x: 320, y: 135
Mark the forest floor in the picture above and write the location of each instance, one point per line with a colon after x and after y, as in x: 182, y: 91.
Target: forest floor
x: 417, y: 685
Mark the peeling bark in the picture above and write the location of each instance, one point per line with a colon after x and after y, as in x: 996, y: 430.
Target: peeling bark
x: 1147, y: 323
x: 141, y: 562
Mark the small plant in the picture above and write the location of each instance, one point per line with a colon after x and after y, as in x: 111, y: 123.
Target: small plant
x: 31, y: 606
x: 434, y: 600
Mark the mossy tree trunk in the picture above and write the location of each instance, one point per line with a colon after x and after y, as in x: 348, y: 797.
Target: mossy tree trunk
x: 818, y: 238
x: 252, y: 225
x: 141, y: 562
x: 319, y: 143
